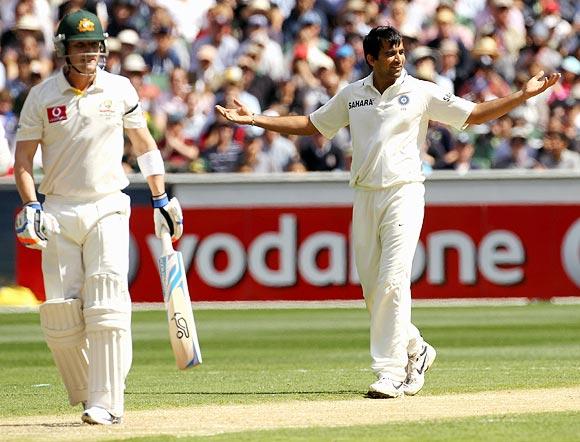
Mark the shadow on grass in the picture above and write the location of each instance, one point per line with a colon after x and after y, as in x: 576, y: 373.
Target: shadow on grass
x: 47, y: 425
x: 243, y: 393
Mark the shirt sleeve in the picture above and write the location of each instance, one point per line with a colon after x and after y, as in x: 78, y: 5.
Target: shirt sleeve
x: 133, y: 117
x: 447, y: 108
x: 332, y: 116
x: 31, y: 122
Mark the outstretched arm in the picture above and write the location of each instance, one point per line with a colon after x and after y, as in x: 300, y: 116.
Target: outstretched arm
x: 490, y: 110
x: 293, y: 125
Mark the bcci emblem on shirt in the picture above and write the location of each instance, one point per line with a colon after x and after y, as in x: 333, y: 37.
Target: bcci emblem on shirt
x: 403, y: 101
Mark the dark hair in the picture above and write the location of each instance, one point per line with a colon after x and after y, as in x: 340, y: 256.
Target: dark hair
x: 373, y: 42
x: 560, y: 135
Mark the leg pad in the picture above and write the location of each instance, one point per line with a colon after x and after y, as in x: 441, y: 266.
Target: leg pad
x: 107, y: 316
x: 62, y: 323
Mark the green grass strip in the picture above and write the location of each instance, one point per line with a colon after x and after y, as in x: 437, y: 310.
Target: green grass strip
x: 255, y: 356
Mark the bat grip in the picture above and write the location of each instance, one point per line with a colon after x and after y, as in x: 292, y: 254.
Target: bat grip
x: 166, y: 244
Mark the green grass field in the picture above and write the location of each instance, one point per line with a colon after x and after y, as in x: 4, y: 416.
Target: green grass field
x: 255, y: 356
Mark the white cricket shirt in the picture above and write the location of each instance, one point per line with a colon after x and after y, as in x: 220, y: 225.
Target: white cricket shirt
x: 81, y: 133
x: 388, y: 130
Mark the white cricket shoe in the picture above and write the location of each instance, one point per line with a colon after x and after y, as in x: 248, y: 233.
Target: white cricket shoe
x: 418, y: 364
x: 385, y: 388
x: 99, y: 416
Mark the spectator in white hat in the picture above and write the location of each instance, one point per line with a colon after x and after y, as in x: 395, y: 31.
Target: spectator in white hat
x: 134, y: 63
x: 130, y: 41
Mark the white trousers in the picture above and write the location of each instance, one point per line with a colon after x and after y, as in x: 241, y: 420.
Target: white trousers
x: 386, y: 228
x: 94, y: 240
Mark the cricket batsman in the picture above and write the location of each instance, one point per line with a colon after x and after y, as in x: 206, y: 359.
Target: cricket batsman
x: 388, y: 113
x: 78, y: 117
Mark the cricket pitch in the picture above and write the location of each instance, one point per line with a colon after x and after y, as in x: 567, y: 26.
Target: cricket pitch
x: 219, y: 419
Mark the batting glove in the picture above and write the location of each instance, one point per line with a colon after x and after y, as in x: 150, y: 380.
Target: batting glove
x: 167, y: 213
x: 34, y: 226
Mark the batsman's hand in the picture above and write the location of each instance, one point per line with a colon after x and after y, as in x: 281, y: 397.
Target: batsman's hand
x: 538, y: 84
x: 240, y: 115
x: 167, y: 213
x: 34, y: 226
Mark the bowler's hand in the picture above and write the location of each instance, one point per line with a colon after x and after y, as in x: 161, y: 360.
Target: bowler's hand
x: 34, y: 226
x: 240, y: 115
x: 538, y: 84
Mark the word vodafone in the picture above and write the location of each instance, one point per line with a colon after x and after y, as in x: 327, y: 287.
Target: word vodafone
x: 497, y: 257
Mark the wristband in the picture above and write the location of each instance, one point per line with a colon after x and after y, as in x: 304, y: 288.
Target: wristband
x: 253, y: 119
x: 151, y: 163
x: 34, y: 205
x: 159, y: 200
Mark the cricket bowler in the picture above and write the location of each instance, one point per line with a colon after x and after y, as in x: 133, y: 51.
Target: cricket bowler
x: 77, y: 116
x: 388, y: 113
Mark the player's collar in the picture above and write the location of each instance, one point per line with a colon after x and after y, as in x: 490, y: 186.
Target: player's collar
x: 64, y: 85
x: 368, y: 80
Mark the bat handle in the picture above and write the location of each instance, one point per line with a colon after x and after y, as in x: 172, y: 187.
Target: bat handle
x: 166, y: 244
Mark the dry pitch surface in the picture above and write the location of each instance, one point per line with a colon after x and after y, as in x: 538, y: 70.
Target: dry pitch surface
x: 217, y: 419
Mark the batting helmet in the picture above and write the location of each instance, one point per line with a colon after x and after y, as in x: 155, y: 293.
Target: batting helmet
x: 76, y: 26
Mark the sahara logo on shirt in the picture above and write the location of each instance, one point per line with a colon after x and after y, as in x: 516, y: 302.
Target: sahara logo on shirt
x: 359, y: 103
x: 56, y: 113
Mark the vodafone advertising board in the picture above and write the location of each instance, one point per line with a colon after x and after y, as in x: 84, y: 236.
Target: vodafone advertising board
x: 302, y: 250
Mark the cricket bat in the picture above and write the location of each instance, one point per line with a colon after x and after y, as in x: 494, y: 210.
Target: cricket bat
x: 182, y: 331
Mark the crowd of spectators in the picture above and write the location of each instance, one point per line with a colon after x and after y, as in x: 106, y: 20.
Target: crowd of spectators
x: 283, y: 57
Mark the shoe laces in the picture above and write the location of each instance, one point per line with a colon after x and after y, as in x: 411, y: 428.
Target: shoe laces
x: 414, y: 363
